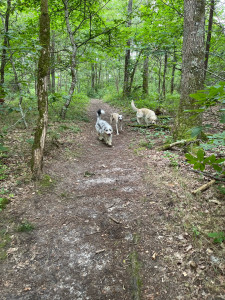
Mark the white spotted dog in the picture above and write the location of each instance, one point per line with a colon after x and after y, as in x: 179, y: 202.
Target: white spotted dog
x: 118, y: 119
x: 103, y: 128
x: 145, y: 114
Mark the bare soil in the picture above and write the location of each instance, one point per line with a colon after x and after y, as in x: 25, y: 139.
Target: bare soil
x: 112, y: 223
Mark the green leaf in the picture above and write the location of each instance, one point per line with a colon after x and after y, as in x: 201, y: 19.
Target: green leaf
x: 218, y: 237
x: 222, y: 118
x: 200, y: 154
x: 191, y: 159
x: 217, y: 167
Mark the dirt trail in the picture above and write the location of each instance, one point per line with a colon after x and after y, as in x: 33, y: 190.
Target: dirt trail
x: 100, y: 229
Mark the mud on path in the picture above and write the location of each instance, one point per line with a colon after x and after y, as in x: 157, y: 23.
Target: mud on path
x: 103, y: 227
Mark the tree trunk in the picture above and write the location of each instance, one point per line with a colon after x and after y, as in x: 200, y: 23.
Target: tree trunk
x: 173, y: 71
x: 53, y: 63
x: 43, y: 68
x: 133, y: 72
x: 73, y: 61
x: 209, y: 34
x: 92, y: 76
x: 19, y: 88
x: 4, y: 47
x: 164, y: 77
x: 96, y: 77
x: 127, y: 55
x: 99, y: 74
x: 193, y: 55
x: 145, y: 75
x: 159, y: 82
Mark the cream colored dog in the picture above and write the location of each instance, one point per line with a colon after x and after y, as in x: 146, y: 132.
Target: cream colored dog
x: 118, y: 119
x: 145, y: 114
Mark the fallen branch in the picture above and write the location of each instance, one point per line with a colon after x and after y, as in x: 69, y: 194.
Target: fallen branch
x: 178, y: 143
x: 207, y: 174
x: 149, y: 126
x: 203, y: 187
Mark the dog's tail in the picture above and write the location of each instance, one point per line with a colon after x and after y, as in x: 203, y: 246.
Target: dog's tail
x: 133, y: 106
x: 99, y: 113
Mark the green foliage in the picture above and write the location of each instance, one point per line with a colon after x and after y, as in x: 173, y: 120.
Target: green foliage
x: 4, y: 241
x: 218, y: 237
x: 210, y: 96
x: 3, y: 171
x: 3, y: 202
x: 46, y: 181
x: 173, y: 158
x: 4, y: 198
x: 200, y: 161
x: 25, y: 226
x: 195, y: 231
x: 221, y: 189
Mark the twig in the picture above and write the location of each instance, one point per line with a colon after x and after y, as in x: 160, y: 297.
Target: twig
x: 208, y: 175
x: 100, y: 251
x: 114, y: 220
x: 203, y: 187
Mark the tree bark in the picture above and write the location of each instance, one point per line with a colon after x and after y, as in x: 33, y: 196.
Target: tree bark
x: 209, y: 34
x: 127, y: 55
x: 133, y: 72
x: 164, y: 76
x: 173, y: 71
x: 43, y: 68
x: 92, y: 76
x: 53, y: 63
x: 145, y: 75
x: 159, y: 81
x: 5, y: 42
x: 193, y: 55
x: 73, y: 61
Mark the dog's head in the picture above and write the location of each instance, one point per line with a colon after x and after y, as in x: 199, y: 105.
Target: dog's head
x: 108, y: 131
x: 120, y: 117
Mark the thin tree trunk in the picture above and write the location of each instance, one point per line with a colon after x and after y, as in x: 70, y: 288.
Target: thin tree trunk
x: 127, y: 55
x: 164, y: 77
x: 5, y: 42
x: 92, y: 76
x: 209, y: 34
x: 133, y: 72
x: 19, y: 88
x: 159, y: 81
x: 53, y: 62
x: 73, y: 61
x: 96, y: 76
x: 99, y: 74
x: 193, y: 55
x: 173, y: 71
x: 43, y: 68
x: 145, y: 75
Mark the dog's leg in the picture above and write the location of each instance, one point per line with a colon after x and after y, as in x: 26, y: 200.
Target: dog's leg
x: 117, y: 132
x: 121, y: 126
x: 100, y: 137
x: 108, y: 140
x: 139, y: 120
x: 146, y: 121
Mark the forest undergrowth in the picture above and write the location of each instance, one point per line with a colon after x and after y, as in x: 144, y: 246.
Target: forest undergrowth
x: 193, y: 224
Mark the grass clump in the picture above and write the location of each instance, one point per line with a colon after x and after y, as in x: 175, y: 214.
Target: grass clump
x: 25, y: 226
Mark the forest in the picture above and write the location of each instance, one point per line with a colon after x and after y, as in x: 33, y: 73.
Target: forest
x: 61, y: 60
